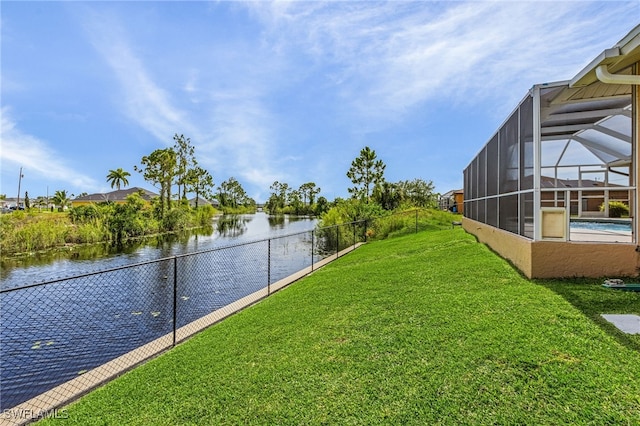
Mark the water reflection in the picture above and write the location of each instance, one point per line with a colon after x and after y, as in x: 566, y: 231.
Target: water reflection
x: 233, y: 225
x: 95, y: 252
x: 277, y: 221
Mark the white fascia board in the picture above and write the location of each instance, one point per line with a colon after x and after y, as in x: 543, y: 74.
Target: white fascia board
x: 617, y: 56
x: 588, y: 74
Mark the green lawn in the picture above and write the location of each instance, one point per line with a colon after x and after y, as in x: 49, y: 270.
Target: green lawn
x: 431, y: 328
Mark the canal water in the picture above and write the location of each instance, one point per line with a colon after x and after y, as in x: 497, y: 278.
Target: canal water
x: 226, y: 230
x: 52, y: 333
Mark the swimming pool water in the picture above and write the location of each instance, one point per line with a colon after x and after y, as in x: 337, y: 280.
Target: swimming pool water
x: 602, y: 226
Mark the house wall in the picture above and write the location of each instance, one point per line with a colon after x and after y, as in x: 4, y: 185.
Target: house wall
x: 459, y: 198
x: 590, y: 204
x: 555, y: 259
x: 512, y: 247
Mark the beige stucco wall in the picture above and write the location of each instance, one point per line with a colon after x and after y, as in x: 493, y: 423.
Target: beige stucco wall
x: 581, y: 259
x: 553, y: 259
x: 512, y: 247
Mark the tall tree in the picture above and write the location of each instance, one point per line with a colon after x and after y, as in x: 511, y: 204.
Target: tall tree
x: 185, y: 160
x: 308, y: 191
x: 118, y: 177
x: 278, y: 198
x: 159, y: 168
x: 313, y: 191
x: 231, y: 194
x: 199, y: 180
x: 388, y: 195
x: 293, y: 200
x: 321, y: 206
x: 365, y: 173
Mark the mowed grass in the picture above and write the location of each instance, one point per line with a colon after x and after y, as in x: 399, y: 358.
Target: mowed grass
x: 431, y: 328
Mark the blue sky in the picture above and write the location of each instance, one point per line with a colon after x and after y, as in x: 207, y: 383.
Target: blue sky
x: 286, y: 91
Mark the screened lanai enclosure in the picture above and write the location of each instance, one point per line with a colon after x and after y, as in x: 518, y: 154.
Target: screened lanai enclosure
x: 555, y: 188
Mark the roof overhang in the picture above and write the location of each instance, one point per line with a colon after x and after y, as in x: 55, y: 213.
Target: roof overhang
x: 593, y: 109
x: 616, y: 60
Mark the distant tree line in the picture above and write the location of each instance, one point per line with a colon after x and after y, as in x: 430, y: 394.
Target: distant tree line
x: 373, y: 196
x: 175, y: 172
x: 301, y: 201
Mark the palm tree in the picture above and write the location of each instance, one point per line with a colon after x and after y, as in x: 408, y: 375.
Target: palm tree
x: 118, y: 177
x: 61, y: 199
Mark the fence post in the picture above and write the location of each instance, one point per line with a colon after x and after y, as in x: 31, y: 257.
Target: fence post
x: 269, y: 266
x: 312, y: 247
x: 416, y: 221
x: 175, y: 298
x: 365, y: 231
x: 337, y: 240
x: 354, y: 235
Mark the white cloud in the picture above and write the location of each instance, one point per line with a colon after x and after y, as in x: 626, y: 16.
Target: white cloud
x: 36, y: 157
x: 242, y: 142
x: 141, y: 99
x: 377, y: 62
x: 394, y: 56
x: 222, y: 110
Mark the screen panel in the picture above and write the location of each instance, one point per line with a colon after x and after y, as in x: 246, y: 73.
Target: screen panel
x: 508, y: 213
x: 492, y: 166
x: 509, y: 155
x: 526, y: 144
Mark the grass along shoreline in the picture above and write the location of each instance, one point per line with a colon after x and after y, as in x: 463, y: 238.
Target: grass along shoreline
x: 431, y: 328
x: 32, y: 232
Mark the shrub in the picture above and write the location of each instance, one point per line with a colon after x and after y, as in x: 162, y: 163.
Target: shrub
x: 616, y: 209
x: 176, y: 219
x: 85, y: 214
x: 203, y: 215
x: 87, y: 233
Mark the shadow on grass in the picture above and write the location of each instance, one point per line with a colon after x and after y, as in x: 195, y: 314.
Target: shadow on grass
x: 588, y: 296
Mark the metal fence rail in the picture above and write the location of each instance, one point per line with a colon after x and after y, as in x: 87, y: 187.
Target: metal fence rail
x: 62, y: 337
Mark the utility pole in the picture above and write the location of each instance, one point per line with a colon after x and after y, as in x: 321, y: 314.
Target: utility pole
x: 19, y: 182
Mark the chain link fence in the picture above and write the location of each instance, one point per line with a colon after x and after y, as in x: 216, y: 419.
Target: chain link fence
x: 61, y: 338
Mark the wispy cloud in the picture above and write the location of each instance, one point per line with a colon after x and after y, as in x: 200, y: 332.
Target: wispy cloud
x: 36, y: 156
x: 329, y: 74
x: 242, y: 141
x: 228, y: 122
x: 391, y: 57
x: 141, y: 99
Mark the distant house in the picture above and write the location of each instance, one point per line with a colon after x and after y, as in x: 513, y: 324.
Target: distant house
x: 452, y: 200
x: 12, y: 203
x: 585, y: 206
x: 8, y: 202
x: 119, y: 196
x: 203, y: 202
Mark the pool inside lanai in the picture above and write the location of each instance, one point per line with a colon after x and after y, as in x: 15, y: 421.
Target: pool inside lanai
x: 600, y: 235
x: 609, y: 230
x: 567, y: 154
